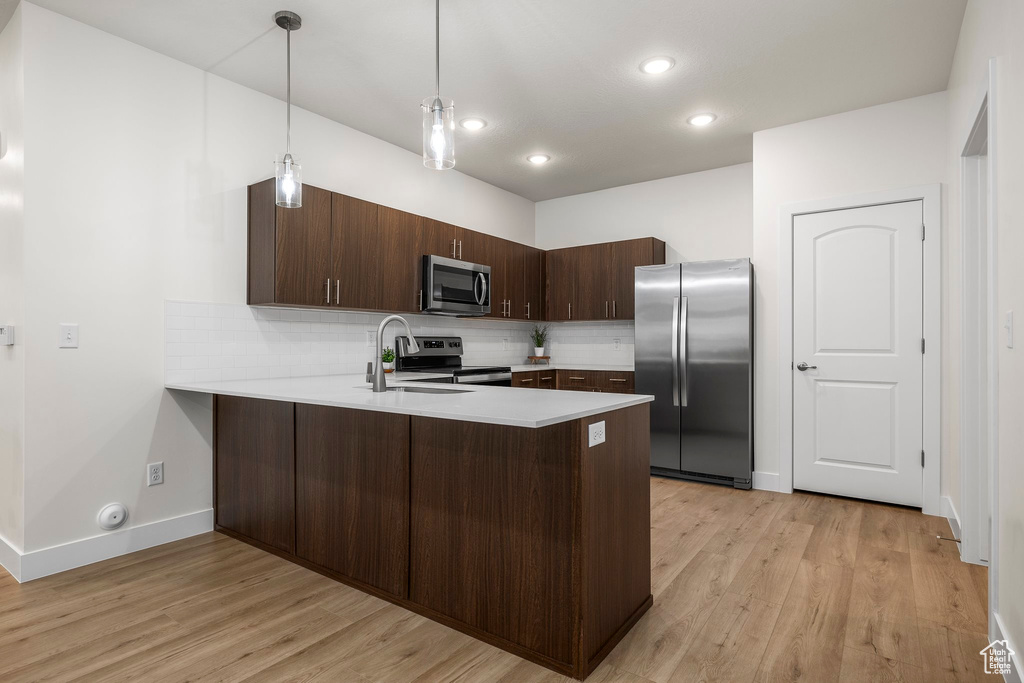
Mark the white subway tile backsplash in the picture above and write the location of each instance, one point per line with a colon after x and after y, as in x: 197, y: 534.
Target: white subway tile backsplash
x: 209, y: 341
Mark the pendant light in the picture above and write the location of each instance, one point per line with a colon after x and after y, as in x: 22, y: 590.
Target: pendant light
x: 438, y: 113
x: 286, y: 169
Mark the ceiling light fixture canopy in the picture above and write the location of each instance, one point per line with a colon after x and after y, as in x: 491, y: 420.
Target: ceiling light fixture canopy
x: 438, y: 113
x: 657, y: 65
x: 538, y: 159
x: 286, y: 169
x: 701, y: 120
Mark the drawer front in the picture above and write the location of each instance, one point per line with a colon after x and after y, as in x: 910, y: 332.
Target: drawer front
x: 596, y: 380
x: 617, y: 382
x: 546, y: 379
x: 526, y: 380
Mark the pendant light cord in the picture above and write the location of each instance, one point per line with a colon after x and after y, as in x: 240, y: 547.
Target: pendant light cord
x: 288, y: 60
x: 437, y: 48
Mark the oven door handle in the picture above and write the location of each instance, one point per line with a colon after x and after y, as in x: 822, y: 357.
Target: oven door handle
x: 480, y: 288
x: 480, y: 379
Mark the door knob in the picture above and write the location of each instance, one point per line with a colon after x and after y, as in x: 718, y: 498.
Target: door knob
x: 802, y: 367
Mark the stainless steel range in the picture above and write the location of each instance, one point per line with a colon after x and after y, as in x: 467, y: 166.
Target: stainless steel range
x: 443, y: 355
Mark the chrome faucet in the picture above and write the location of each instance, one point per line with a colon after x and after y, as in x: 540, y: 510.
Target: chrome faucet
x: 376, y: 378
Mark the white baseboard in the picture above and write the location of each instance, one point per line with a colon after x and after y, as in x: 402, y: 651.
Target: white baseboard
x: 60, y: 558
x: 10, y: 558
x: 1015, y: 674
x: 765, y: 481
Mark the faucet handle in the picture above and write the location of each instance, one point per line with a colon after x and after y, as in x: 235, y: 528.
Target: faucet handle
x: 369, y: 371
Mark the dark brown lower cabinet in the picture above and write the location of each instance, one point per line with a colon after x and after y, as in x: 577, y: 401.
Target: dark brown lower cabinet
x: 352, y: 494
x: 254, y: 469
x: 524, y: 538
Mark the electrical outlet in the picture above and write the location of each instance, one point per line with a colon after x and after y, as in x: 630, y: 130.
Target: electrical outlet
x: 618, y: 344
x: 596, y: 433
x: 68, y: 336
x: 371, y: 340
x: 154, y: 473
x: 504, y: 344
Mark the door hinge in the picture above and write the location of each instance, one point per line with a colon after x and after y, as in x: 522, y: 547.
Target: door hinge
x: 922, y: 345
x: 922, y: 457
x: 923, y: 232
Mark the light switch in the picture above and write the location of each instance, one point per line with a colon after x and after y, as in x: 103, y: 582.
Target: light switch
x: 1009, y: 329
x: 68, y: 338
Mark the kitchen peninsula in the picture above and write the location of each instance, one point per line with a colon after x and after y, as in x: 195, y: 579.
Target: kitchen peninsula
x: 484, y: 508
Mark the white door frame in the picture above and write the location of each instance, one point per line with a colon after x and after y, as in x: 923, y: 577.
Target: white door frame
x: 974, y: 264
x: 931, y: 195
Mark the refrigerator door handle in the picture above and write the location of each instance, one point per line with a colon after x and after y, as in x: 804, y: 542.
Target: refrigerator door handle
x: 683, y: 365
x: 675, y: 351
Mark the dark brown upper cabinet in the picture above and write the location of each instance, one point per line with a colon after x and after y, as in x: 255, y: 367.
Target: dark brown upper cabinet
x: 358, y: 279
x: 289, y: 249
x: 595, y: 281
x: 341, y: 252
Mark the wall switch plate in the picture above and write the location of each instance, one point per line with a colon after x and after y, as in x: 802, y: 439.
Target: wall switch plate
x: 154, y: 473
x: 371, y: 339
x: 618, y: 344
x: 1009, y: 329
x: 504, y: 344
x: 6, y: 335
x: 68, y: 336
x: 596, y: 433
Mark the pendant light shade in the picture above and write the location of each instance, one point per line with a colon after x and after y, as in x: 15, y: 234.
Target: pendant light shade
x: 438, y: 113
x: 438, y: 133
x: 286, y: 168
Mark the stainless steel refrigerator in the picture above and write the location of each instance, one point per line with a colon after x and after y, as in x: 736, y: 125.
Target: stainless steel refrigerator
x: 694, y: 353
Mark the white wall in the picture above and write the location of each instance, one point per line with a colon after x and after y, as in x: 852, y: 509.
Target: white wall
x: 700, y: 216
x: 890, y: 146
x: 135, y: 193
x: 993, y: 29
x: 12, y: 294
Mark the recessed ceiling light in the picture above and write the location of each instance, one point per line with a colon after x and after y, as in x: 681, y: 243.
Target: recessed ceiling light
x: 473, y: 123
x: 538, y: 159
x: 657, y: 65
x: 701, y: 120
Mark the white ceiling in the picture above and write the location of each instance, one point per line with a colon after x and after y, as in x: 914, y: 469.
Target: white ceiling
x: 562, y: 77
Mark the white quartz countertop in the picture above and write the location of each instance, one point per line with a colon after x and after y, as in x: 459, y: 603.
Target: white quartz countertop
x: 509, y: 406
x: 573, y: 366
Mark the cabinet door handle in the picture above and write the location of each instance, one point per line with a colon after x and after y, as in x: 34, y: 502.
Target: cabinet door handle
x: 526, y: 380
x: 606, y: 309
x: 614, y: 312
x: 578, y: 378
x: 527, y: 310
x: 570, y: 310
x: 453, y: 248
x: 460, y: 250
x: 616, y: 380
x: 328, y: 290
x: 337, y: 292
x: 421, y: 300
x: 544, y: 379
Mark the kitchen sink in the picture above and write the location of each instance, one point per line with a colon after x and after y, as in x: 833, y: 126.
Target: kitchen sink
x: 427, y: 390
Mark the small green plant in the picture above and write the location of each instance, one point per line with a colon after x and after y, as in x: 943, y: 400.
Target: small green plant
x: 539, y: 335
x: 388, y: 355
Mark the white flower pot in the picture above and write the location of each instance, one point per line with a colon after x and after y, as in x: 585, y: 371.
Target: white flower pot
x: 389, y: 367
x: 538, y: 350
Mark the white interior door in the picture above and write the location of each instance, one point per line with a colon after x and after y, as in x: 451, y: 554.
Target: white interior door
x: 857, y: 327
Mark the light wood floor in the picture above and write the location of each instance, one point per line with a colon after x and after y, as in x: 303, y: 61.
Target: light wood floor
x: 748, y: 586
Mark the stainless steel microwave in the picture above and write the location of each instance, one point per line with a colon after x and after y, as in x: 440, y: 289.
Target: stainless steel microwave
x: 452, y: 287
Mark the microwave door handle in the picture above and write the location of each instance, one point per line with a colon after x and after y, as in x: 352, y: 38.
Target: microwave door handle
x: 480, y: 288
x: 675, y: 352
x: 684, y: 365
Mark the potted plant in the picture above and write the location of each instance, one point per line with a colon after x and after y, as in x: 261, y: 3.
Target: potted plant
x: 387, y: 357
x: 540, y: 338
